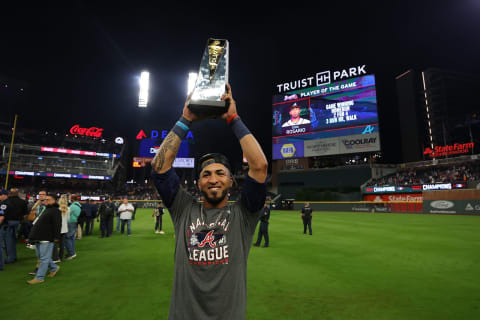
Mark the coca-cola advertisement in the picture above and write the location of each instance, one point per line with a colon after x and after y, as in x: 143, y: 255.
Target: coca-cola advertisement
x: 89, y: 132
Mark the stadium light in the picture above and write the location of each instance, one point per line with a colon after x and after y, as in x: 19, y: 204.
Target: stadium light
x: 144, y: 86
x: 192, y: 78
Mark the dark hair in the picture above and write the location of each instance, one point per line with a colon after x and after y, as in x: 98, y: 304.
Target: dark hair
x: 74, y: 197
x: 53, y: 195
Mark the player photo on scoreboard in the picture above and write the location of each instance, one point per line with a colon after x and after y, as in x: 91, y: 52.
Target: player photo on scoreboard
x: 291, y: 118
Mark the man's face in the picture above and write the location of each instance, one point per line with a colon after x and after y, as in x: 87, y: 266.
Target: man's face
x: 214, y: 182
x: 49, y: 201
x: 3, y: 197
x: 125, y: 201
x: 307, y: 204
x: 42, y: 195
x: 295, y: 112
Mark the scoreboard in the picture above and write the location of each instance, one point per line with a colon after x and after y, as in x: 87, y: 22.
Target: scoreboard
x: 328, y: 119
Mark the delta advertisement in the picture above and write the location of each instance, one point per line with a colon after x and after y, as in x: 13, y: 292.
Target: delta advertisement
x: 328, y: 119
x: 149, y: 145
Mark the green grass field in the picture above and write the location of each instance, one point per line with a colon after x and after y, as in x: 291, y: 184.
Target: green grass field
x: 355, y: 266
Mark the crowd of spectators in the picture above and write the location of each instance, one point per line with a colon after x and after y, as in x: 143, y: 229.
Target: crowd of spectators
x: 49, y: 223
x: 429, y: 175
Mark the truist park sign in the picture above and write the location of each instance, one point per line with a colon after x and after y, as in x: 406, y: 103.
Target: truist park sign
x: 322, y: 78
x: 450, y: 150
x: 89, y: 132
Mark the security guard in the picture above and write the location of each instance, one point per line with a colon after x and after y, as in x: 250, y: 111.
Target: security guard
x: 263, y: 230
x: 3, y: 224
x: 307, y: 218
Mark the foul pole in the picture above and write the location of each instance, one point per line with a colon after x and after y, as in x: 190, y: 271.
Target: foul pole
x: 11, y: 150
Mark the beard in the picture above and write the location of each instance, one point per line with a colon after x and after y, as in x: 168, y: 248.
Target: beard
x: 215, y: 199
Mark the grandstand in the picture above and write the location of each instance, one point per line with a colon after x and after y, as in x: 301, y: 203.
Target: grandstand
x: 71, y: 161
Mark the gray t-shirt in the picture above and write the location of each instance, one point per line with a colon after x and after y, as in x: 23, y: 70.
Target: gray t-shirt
x: 211, y: 253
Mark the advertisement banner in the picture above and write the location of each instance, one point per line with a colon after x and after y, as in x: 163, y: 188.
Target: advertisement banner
x: 452, y: 206
x: 394, y: 197
x: 413, y: 188
x: 321, y: 147
x: 288, y: 150
x: 149, y: 147
x: 392, y: 189
x: 359, y: 143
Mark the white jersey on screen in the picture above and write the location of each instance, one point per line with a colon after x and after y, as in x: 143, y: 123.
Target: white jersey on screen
x: 291, y: 123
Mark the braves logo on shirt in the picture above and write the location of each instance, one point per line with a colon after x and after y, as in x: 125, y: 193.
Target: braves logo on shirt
x: 208, y: 242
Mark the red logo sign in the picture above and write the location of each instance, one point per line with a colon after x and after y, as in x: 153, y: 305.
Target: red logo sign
x: 90, y: 132
x: 442, y: 151
x: 209, y: 238
x: 141, y: 135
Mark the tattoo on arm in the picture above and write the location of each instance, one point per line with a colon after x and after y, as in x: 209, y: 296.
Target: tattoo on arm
x: 172, y: 143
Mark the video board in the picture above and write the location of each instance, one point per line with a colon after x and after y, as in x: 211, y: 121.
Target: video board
x: 334, y: 118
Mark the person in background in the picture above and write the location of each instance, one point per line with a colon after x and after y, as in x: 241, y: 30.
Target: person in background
x: 60, y: 246
x: 26, y: 225
x: 106, y: 211
x: 39, y: 206
x: 3, y: 225
x: 90, y: 212
x: 16, y: 212
x: 75, y: 209
x: 117, y: 213
x: 263, y: 229
x: 134, y: 204
x: 46, y: 231
x: 307, y: 218
x: 38, y: 209
x: 158, y: 213
x: 80, y: 221
x: 126, y: 209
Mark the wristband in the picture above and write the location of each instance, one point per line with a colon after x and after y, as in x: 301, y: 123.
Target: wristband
x: 182, y: 127
x: 239, y: 128
x: 232, y: 117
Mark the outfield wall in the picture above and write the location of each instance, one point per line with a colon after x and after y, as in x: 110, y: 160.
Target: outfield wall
x: 465, y: 201
x: 363, y: 206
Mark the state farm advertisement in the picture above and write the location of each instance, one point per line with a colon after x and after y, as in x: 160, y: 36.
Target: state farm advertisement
x: 400, y: 202
x: 394, y: 197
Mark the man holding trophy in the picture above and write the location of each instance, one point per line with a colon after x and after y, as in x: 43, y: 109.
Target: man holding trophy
x: 213, y: 238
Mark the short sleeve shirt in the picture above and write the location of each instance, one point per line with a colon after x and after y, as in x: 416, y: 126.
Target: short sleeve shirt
x: 211, y: 253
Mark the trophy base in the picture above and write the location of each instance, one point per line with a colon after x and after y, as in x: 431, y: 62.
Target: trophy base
x: 208, y: 107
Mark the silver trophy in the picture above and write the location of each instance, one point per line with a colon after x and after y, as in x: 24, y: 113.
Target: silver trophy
x: 211, y: 80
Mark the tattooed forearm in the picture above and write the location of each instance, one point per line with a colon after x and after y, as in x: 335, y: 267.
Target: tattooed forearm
x: 165, y: 156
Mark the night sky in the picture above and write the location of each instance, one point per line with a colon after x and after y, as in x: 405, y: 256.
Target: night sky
x: 81, y: 62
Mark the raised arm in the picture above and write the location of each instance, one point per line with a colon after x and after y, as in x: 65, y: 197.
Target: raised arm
x: 252, y: 150
x: 163, y: 160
